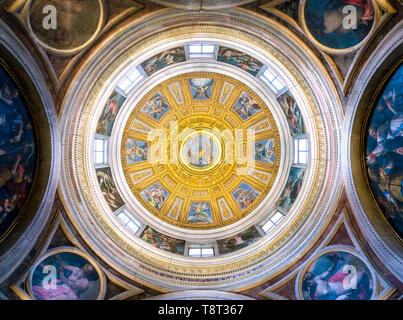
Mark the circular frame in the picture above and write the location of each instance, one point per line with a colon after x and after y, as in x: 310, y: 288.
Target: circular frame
x: 304, y: 25
x: 101, y: 275
x: 336, y: 248
x: 218, y: 145
x: 64, y: 52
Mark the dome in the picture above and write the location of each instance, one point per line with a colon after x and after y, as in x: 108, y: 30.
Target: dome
x: 203, y: 145
x: 186, y: 151
x: 203, y: 149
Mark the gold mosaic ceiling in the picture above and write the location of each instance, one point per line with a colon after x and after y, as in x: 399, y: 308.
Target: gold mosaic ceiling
x: 200, y: 151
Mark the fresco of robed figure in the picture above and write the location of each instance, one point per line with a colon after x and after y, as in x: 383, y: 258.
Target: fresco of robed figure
x: 166, y: 58
x: 17, y: 152
x: 163, y: 241
x: 327, y: 21
x: 292, y: 113
x: 108, y: 116
x: 240, y: 60
x: 108, y: 188
x: 292, y: 188
x: 337, y: 276
x: 385, y: 152
x: 239, y: 241
x: 65, y: 276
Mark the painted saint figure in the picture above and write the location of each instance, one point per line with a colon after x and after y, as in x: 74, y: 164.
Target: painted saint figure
x: 292, y: 188
x: 337, y: 276
x: 107, y: 119
x: 264, y: 151
x: 108, y: 188
x: 327, y: 21
x: 65, y: 276
x: 292, y: 113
